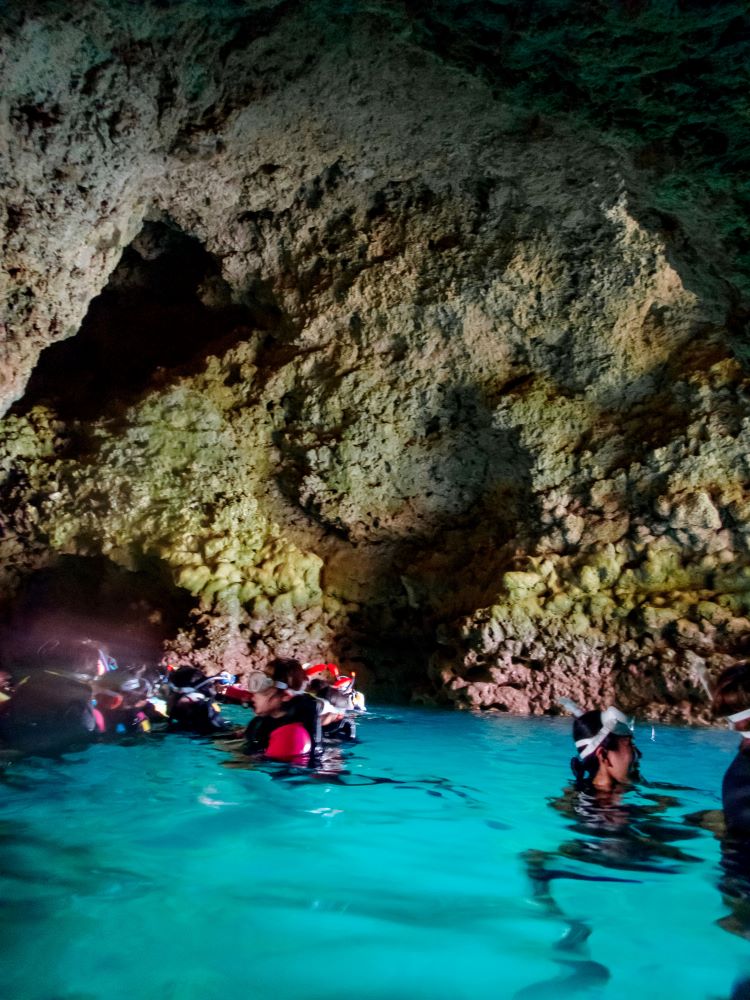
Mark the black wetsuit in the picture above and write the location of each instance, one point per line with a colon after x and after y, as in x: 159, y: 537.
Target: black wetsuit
x: 190, y: 706
x: 734, y: 881
x: 735, y: 793
x: 199, y: 715
x: 129, y: 717
x: 49, y: 712
x: 303, y: 709
x: 343, y: 730
x: 615, y: 831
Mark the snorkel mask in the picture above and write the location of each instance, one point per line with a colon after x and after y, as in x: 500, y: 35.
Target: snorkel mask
x: 257, y: 681
x: 614, y: 723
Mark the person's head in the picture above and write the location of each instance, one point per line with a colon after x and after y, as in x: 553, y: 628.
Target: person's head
x: 268, y: 693
x: 607, y: 756
x: 340, y: 693
x: 188, y: 679
x: 83, y: 657
x: 290, y: 672
x: 731, y: 696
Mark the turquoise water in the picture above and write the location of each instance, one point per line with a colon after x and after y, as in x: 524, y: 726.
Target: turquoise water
x: 172, y: 869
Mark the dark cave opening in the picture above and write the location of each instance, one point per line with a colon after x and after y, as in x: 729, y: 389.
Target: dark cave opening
x: 165, y: 306
x: 129, y: 612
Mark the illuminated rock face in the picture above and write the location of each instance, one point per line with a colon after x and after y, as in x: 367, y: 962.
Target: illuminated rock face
x: 384, y: 369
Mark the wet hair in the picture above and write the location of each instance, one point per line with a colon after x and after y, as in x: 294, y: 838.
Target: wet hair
x: 732, y: 691
x: 186, y: 677
x: 584, y: 727
x: 289, y: 672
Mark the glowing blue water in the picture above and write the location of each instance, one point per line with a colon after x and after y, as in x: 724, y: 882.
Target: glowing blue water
x: 168, y: 870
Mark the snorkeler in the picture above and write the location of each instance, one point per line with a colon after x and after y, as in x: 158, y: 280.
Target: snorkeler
x: 339, y: 700
x: 617, y: 834
x: 614, y: 840
x: 605, y: 768
x: 335, y: 723
x: 51, y: 707
x: 279, y: 701
x: 731, y: 701
x: 190, y: 702
x: 6, y: 687
x: 48, y: 712
x: 128, y: 701
x: 607, y: 756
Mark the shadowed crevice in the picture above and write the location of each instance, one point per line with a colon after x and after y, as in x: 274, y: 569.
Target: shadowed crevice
x: 165, y: 306
x: 132, y: 612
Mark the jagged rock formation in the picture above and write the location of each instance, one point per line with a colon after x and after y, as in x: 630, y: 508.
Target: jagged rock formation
x: 371, y: 356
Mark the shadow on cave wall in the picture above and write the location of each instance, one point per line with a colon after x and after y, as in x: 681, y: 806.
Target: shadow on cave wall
x: 132, y: 613
x: 165, y: 306
x: 432, y: 577
x: 460, y: 569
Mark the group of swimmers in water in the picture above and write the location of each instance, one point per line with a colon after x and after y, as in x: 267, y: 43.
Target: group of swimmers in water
x: 78, y: 693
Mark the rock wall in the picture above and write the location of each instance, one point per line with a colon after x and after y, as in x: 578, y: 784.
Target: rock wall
x: 386, y: 366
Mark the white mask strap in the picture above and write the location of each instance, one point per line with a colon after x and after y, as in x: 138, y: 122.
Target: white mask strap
x: 613, y: 723
x: 739, y: 717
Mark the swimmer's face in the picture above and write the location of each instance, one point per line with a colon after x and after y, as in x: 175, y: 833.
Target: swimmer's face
x: 268, y: 701
x: 620, y: 760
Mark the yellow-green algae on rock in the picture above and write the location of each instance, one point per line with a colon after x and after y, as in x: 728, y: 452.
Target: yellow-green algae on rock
x: 640, y: 618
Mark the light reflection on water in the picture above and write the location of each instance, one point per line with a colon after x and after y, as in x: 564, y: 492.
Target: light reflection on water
x: 174, y: 869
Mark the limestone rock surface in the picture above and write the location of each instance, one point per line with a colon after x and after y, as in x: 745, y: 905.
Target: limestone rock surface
x: 367, y: 357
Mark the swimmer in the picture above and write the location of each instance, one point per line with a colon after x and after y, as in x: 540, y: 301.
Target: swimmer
x: 53, y: 703
x: 190, y: 702
x: 6, y: 688
x: 607, y: 756
x: 128, y: 700
x: 339, y: 700
x: 731, y: 701
x: 614, y: 840
x: 278, y: 700
x: 335, y: 723
x: 48, y: 713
